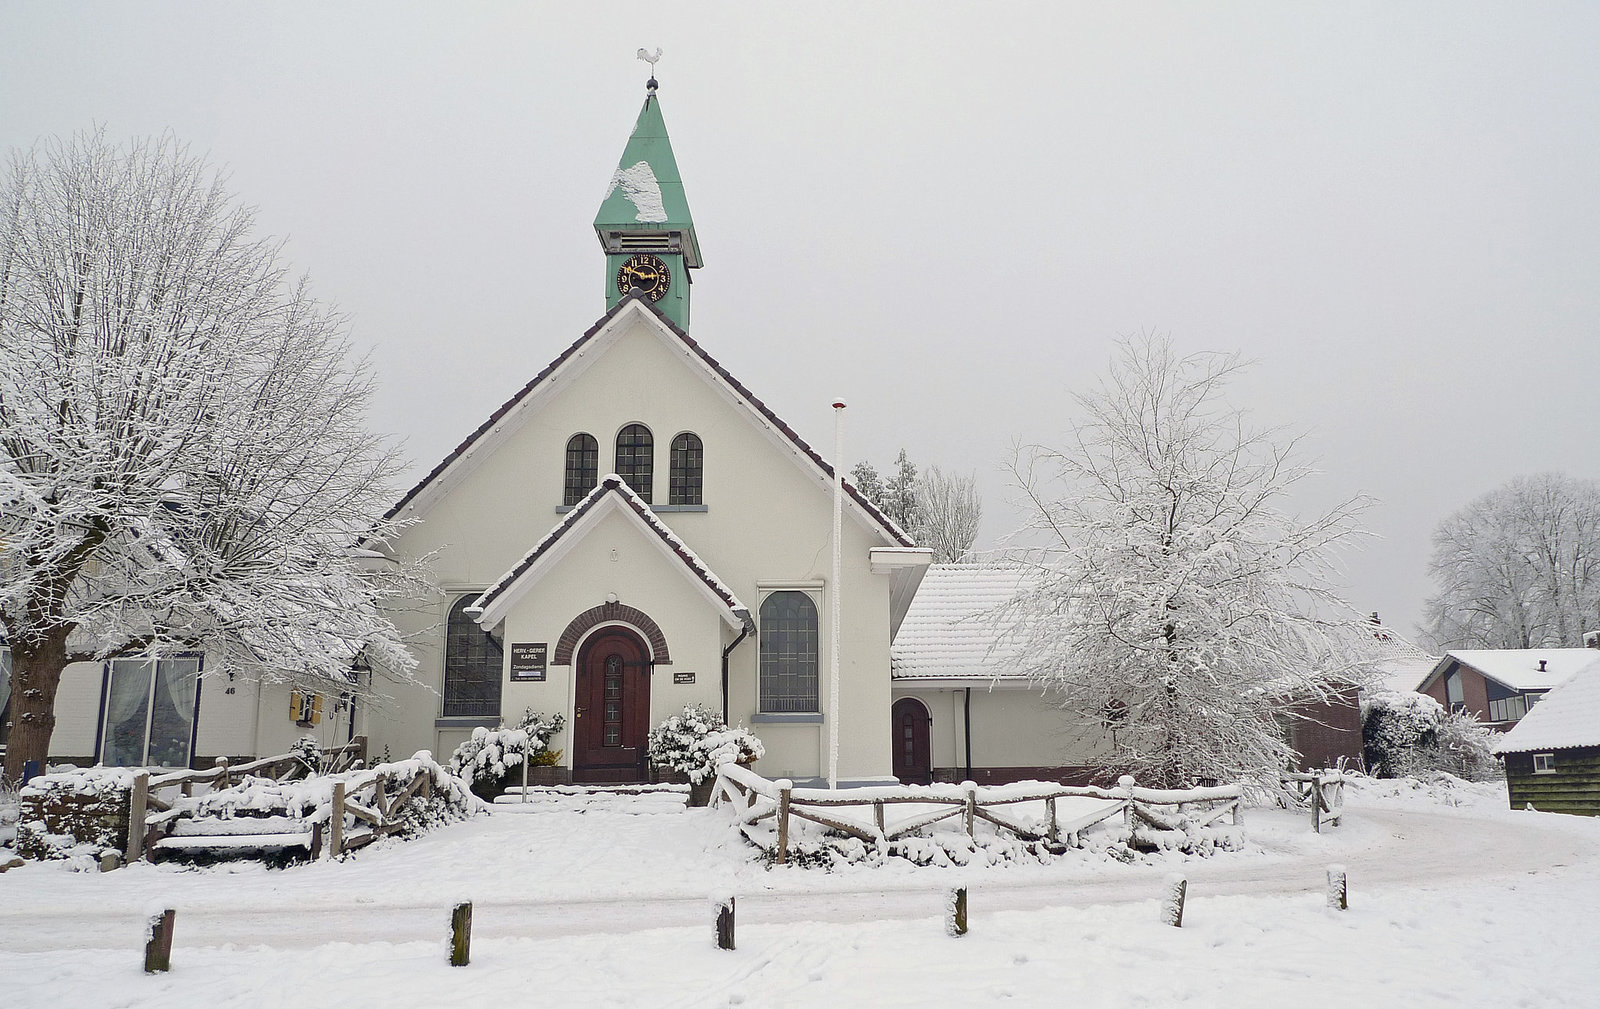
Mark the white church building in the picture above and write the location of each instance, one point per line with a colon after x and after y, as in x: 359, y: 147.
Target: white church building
x: 633, y: 531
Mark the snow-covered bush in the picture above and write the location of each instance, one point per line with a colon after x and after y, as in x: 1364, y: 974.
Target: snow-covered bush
x: 491, y: 756
x: 308, y: 753
x: 696, y: 741
x: 1394, y: 725
x: 1407, y: 734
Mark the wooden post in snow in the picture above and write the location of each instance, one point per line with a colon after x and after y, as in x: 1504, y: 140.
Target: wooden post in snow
x: 461, y: 934
x: 1338, y: 888
x: 785, y: 786
x: 955, y: 911
x: 336, y: 821
x: 138, y: 800
x: 158, y: 941
x: 1052, y: 833
x: 1177, y: 889
x: 971, y: 812
x: 725, y: 923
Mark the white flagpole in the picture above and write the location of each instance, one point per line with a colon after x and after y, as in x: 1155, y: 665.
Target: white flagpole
x: 838, y: 578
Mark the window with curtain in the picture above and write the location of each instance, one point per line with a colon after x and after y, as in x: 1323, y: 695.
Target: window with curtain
x: 583, y: 467
x: 472, y: 666
x: 684, y: 472
x: 636, y: 458
x: 150, y: 710
x: 788, y: 653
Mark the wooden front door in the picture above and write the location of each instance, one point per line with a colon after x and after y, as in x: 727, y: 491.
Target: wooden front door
x: 913, y: 755
x: 612, y: 716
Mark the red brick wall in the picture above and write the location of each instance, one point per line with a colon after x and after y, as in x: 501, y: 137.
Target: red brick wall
x: 1324, y: 731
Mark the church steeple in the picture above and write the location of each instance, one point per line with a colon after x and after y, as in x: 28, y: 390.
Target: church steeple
x: 644, y: 223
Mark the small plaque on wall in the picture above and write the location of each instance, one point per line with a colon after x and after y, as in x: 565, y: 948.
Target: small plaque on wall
x: 528, y: 660
x: 682, y: 677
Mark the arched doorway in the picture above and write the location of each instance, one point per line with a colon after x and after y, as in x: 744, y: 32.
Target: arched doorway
x: 913, y: 753
x: 612, y: 716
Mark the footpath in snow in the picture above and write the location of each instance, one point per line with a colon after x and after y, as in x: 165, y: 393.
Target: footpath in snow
x: 1454, y: 901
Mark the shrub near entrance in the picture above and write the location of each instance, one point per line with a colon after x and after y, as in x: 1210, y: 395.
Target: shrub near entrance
x: 695, y: 742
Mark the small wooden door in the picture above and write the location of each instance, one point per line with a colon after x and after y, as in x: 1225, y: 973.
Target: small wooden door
x: 913, y: 754
x: 612, y: 716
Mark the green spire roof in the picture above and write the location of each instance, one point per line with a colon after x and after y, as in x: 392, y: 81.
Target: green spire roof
x: 646, y: 193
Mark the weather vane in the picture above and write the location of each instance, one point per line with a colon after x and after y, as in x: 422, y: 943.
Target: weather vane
x: 644, y: 54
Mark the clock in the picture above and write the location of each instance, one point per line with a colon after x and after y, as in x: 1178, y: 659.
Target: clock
x: 646, y: 272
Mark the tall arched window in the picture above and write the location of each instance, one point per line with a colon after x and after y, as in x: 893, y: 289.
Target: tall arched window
x: 472, y: 661
x: 636, y: 455
x: 583, y: 467
x: 684, y: 473
x: 788, y: 653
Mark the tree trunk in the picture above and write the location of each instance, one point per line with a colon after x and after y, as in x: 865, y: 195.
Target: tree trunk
x: 35, y: 674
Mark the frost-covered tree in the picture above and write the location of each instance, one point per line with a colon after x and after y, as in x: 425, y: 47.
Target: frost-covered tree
x: 183, y: 456
x: 865, y: 476
x: 950, y: 511
x: 1178, y: 606
x: 900, y: 501
x: 1519, y: 567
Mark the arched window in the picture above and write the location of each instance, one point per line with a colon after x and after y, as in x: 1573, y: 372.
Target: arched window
x: 636, y: 454
x: 583, y: 467
x: 472, y: 661
x: 684, y: 473
x: 788, y: 653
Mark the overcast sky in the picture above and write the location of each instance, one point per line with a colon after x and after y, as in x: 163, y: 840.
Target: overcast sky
x: 945, y: 214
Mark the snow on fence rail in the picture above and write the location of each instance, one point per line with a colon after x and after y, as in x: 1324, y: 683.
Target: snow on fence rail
x: 1146, y: 812
x: 1322, y: 790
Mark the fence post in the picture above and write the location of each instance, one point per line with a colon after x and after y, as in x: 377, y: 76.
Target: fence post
x: 1316, y: 805
x: 1125, y: 786
x: 336, y: 821
x: 971, y: 811
x: 955, y: 911
x: 785, y: 786
x: 877, y: 815
x: 1172, y: 900
x: 138, y: 799
x: 1338, y: 888
x: 527, y: 756
x: 158, y: 941
x: 461, y: 934
x: 1052, y: 834
x: 222, y: 773
x: 725, y: 923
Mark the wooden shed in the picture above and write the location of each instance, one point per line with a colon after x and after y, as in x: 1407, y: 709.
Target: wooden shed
x: 1552, y: 755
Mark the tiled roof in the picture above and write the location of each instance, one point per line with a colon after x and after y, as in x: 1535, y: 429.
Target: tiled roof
x: 1518, y: 668
x: 613, y: 485
x: 950, y: 631
x: 894, y: 532
x: 1569, y: 715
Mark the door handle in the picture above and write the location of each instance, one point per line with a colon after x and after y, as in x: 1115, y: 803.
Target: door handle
x: 579, y: 712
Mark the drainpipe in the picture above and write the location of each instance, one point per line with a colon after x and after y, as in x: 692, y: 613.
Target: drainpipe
x: 967, y: 718
x: 749, y: 625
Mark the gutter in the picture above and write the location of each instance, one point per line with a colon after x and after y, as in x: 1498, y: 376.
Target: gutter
x: 749, y: 626
x: 967, y: 717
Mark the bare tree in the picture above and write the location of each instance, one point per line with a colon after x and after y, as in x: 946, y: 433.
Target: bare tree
x: 183, y: 456
x: 1519, y: 567
x: 1177, y: 605
x: 950, y: 511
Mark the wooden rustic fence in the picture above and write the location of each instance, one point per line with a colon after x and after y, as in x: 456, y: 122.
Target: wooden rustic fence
x: 157, y: 793
x: 1322, y: 791
x: 755, y: 799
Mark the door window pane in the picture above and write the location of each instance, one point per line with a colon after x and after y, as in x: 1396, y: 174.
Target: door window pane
x: 127, y: 713
x: 5, y: 694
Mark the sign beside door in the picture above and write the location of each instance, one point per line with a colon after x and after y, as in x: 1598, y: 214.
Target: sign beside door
x: 528, y: 660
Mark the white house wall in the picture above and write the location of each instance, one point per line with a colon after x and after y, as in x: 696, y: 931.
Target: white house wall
x: 1012, y: 729
x: 767, y: 522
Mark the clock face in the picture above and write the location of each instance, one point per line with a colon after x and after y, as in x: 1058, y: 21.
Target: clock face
x: 646, y: 272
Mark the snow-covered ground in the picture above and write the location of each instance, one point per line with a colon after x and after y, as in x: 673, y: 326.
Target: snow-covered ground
x: 1455, y: 901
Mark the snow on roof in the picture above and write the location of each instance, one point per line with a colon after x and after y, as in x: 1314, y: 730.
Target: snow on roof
x: 640, y: 188
x: 1518, y: 668
x: 613, y: 487
x: 1397, y: 664
x: 950, y: 630
x: 1569, y: 715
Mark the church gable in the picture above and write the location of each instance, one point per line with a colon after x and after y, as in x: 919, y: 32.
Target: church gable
x: 632, y: 367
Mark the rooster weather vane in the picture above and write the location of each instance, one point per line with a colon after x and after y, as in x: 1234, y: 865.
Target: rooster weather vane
x: 644, y: 54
